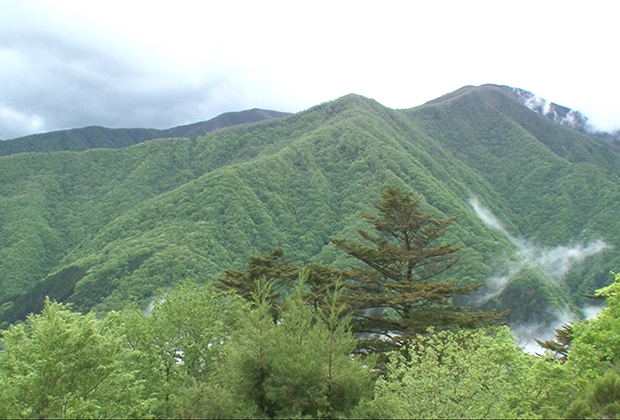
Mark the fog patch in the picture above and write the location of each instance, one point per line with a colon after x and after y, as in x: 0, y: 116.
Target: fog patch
x: 553, y: 262
x: 487, y: 217
x: 149, y: 308
x: 496, y: 284
x: 526, y: 334
x: 556, y: 262
x: 591, y: 311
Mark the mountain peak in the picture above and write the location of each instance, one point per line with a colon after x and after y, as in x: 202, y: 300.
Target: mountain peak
x: 353, y: 99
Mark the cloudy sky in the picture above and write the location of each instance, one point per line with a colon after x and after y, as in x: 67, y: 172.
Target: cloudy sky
x: 66, y: 64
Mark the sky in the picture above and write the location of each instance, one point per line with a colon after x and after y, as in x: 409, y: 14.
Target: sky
x: 68, y: 64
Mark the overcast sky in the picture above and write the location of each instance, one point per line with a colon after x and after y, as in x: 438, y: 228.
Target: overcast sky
x: 66, y: 64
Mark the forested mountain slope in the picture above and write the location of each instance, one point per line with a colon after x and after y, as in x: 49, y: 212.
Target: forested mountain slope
x: 554, y: 185
x: 101, y: 227
x: 80, y: 139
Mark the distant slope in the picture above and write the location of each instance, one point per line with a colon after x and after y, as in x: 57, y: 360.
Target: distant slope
x: 80, y: 139
x: 227, y: 119
x: 101, y: 227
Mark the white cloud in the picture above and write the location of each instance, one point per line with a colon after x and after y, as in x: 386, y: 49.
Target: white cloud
x: 554, y: 262
x: 9, y: 119
x: 291, y: 55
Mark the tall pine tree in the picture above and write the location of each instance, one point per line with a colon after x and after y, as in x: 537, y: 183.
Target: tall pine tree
x: 395, y: 296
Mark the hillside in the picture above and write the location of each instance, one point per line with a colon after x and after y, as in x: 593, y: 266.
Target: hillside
x: 80, y: 139
x: 100, y: 227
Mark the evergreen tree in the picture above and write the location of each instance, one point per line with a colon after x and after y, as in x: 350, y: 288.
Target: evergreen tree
x: 394, y: 296
x: 279, y: 275
x: 561, y: 345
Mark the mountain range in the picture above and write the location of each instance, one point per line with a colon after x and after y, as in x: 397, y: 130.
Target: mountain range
x: 110, y: 216
x: 95, y: 137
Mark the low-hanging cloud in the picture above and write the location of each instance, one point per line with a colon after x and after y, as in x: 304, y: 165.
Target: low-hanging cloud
x: 486, y: 216
x: 526, y: 334
x: 553, y: 262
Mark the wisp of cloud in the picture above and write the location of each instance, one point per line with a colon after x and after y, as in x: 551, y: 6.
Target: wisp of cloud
x: 554, y: 263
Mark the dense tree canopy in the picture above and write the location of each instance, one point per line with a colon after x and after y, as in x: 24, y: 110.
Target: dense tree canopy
x: 463, y: 374
x: 279, y: 274
x: 62, y: 364
x: 101, y: 227
x: 204, y: 353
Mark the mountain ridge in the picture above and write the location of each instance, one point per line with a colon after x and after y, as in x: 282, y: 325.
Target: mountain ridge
x: 85, y: 138
x: 106, y: 226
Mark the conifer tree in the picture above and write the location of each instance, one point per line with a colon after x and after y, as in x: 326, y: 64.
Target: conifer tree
x: 299, y: 366
x: 394, y: 295
x: 561, y: 345
x: 279, y: 275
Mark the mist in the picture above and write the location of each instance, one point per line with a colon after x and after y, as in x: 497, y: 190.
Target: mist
x: 526, y: 334
x: 554, y: 262
x: 149, y: 308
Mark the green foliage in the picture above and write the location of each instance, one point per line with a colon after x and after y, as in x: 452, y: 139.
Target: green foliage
x: 595, y: 346
x: 300, y: 366
x: 463, y: 374
x: 601, y: 399
x: 591, y: 380
x: 206, y: 353
x: 80, y: 139
x: 278, y: 274
x: 57, y: 287
x: 61, y: 364
x: 178, y: 346
x: 561, y: 345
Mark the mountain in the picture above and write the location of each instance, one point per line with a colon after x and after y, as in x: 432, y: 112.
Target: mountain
x: 80, y: 139
x: 556, y: 113
x: 227, y: 119
x: 533, y: 198
x: 564, y: 116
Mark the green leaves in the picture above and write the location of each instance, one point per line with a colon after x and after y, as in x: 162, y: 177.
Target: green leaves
x: 204, y: 353
x: 300, y: 365
x: 461, y: 374
x: 62, y: 364
x: 595, y: 346
x: 180, y: 343
x: 194, y: 208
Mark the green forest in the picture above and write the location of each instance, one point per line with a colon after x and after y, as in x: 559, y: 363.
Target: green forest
x: 276, y: 340
x: 349, y: 260
x: 203, y: 353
